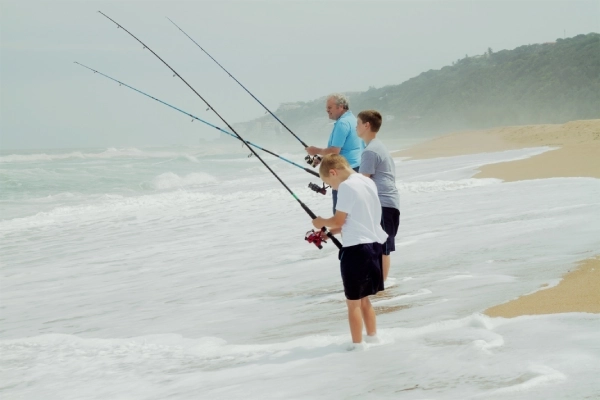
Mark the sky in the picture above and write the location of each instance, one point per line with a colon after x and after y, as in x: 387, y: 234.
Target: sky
x: 282, y: 51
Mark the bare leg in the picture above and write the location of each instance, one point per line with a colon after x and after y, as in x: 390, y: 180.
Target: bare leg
x: 355, y: 320
x: 385, y: 263
x: 368, y: 314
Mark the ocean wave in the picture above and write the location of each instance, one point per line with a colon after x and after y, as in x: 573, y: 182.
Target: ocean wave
x: 111, y: 152
x: 215, y: 352
x: 443, y: 186
x: 536, y: 375
x: 206, y: 353
x: 170, y: 180
x: 110, y: 206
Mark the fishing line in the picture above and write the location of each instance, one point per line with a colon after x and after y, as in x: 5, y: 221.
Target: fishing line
x: 207, y: 123
x: 304, y: 206
x: 239, y: 83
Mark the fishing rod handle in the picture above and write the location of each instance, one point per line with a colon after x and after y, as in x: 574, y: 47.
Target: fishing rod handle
x: 333, y: 238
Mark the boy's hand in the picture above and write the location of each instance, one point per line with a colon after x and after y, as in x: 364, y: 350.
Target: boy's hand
x: 318, y: 222
x: 324, y: 236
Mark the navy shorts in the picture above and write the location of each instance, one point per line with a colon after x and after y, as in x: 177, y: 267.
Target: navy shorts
x: 390, y: 219
x: 360, y: 266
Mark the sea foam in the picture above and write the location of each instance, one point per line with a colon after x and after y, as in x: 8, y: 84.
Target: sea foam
x: 170, y: 180
x: 109, y: 153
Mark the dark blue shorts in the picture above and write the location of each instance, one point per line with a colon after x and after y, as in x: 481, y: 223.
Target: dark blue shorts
x: 390, y: 219
x: 360, y: 266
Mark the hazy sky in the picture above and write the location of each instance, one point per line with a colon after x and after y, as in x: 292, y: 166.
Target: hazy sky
x: 280, y: 50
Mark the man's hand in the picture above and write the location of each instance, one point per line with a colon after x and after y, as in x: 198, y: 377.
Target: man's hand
x: 312, y: 150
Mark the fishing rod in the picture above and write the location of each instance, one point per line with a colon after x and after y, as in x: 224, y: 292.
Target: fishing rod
x: 311, y: 236
x: 312, y: 186
x: 308, y: 158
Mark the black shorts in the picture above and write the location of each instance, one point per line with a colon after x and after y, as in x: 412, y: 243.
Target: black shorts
x: 390, y: 219
x: 360, y: 266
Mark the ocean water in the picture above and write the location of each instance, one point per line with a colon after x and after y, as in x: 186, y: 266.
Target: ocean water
x: 176, y: 274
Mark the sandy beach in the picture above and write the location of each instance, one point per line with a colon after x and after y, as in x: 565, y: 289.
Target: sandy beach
x: 578, y: 291
x: 575, y: 153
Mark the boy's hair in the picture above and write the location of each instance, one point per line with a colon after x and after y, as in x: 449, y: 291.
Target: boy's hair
x: 372, y: 117
x: 332, y: 161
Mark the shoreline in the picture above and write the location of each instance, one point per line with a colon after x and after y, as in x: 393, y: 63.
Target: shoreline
x: 578, y: 291
x: 574, y: 151
x: 576, y: 148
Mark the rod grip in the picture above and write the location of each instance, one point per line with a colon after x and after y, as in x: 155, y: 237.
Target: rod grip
x: 333, y: 238
x: 310, y: 171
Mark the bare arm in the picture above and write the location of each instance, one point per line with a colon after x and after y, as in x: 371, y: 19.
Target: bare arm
x: 334, y: 223
x: 312, y: 150
x: 335, y: 231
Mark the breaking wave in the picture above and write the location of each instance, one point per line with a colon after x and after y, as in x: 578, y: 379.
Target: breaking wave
x: 111, y: 152
x: 170, y: 180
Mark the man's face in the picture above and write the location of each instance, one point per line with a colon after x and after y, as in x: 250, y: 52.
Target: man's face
x: 333, y: 110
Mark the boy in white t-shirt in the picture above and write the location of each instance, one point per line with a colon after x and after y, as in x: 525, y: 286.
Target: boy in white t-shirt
x: 357, y: 217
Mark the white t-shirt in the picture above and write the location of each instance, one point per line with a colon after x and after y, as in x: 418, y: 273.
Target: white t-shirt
x: 357, y: 196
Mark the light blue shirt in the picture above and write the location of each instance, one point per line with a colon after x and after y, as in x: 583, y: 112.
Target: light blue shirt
x: 344, y: 136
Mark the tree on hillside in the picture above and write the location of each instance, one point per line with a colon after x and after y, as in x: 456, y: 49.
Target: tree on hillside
x: 540, y: 83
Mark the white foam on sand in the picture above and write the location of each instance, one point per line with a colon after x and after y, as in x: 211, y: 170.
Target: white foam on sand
x: 442, y: 186
x: 476, y: 363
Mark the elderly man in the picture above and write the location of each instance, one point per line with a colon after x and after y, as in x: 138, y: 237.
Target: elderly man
x: 343, y: 139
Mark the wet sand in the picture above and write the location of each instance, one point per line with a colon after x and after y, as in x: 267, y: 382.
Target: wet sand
x: 575, y: 153
x: 578, y: 291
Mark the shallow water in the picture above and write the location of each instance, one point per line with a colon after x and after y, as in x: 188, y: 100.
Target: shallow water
x: 173, y: 273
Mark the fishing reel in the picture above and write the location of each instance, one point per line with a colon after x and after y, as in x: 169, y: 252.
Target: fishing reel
x: 313, y: 161
x: 316, y: 188
x: 315, y: 238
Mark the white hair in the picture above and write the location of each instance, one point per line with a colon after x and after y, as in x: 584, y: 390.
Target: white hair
x: 340, y: 100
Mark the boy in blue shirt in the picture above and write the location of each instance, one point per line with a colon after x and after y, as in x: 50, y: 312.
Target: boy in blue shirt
x: 357, y: 218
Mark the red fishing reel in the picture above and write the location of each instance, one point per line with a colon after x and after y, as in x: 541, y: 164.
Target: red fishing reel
x: 315, y: 238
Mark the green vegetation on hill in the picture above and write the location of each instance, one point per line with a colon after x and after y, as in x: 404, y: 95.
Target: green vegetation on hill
x: 541, y: 83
